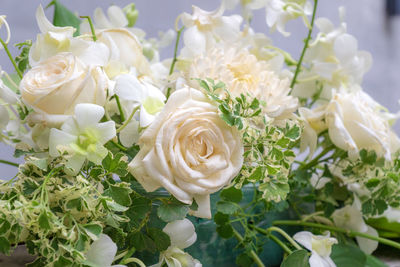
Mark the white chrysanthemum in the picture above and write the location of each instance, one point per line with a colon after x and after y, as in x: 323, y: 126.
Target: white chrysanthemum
x: 243, y: 73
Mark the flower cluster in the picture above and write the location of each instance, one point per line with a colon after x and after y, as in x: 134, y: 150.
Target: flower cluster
x: 123, y: 150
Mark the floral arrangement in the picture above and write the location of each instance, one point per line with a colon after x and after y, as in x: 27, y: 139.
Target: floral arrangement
x: 127, y: 156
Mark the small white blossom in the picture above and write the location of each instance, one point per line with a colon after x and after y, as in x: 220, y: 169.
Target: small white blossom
x: 102, y: 252
x: 320, y: 247
x: 82, y: 137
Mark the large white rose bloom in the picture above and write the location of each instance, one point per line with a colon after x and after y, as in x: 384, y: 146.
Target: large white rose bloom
x: 189, y: 150
x: 354, y: 121
x: 243, y: 73
x: 56, y: 85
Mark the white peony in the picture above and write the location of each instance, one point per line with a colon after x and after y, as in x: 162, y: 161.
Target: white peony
x: 243, y: 73
x: 55, y: 86
x: 320, y: 247
x: 189, y: 150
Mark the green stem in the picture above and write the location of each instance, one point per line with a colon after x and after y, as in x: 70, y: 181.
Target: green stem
x: 128, y: 120
x: 278, y: 230
x: 9, y: 163
x: 174, y: 60
x: 119, y: 146
x: 127, y: 255
x: 339, y: 230
x: 11, y: 58
x: 281, y: 244
x: 121, y: 112
x: 315, y: 160
x: 91, y: 27
x: 253, y: 255
x: 298, y: 67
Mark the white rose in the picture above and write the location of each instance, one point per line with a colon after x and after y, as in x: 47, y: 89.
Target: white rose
x: 56, y: 85
x: 355, y: 121
x: 189, y: 150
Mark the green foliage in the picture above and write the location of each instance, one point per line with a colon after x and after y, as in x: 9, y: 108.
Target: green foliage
x: 268, y: 148
x: 64, y: 17
x: 298, y: 258
x: 172, y: 210
x: 348, y: 256
x: 23, y: 59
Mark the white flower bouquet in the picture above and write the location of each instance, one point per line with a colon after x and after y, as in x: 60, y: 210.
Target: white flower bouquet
x: 127, y: 156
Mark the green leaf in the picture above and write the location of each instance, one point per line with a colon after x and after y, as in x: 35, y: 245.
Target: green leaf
x: 374, y: 262
x: 368, y: 157
x: 82, y: 242
x: 115, y: 206
x: 232, y: 194
x: 115, y: 164
x: 4, y: 245
x: 348, y: 256
x: 64, y: 17
x: 244, y: 260
x: 138, y: 212
x: 62, y: 262
x: 221, y: 218
x: 255, y: 104
x: 293, y: 133
x: 228, y: 118
x: 160, y: 238
x: 226, y: 207
x: 142, y: 242
x: 204, y: 85
x: 40, y: 163
x: 93, y: 230
x: 120, y: 193
x: 5, y: 227
x: 257, y: 174
x: 299, y: 258
x: 44, y: 221
x: 29, y: 186
x: 172, y: 211
x: 23, y: 59
x: 225, y: 230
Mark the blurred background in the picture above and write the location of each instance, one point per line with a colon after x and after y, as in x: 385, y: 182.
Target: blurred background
x: 374, y: 23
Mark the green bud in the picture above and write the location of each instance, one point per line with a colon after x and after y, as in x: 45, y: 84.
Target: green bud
x: 131, y: 14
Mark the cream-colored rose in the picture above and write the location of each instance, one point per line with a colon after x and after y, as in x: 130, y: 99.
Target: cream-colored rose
x: 189, y: 150
x: 56, y: 85
x: 125, y: 51
x: 354, y: 122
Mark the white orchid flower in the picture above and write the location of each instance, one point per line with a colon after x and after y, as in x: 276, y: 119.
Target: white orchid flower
x: 320, y: 247
x: 204, y: 29
x: 182, y: 235
x: 82, y: 137
x: 53, y: 40
x: 140, y: 93
x: 351, y: 218
x: 102, y: 253
x: 279, y: 12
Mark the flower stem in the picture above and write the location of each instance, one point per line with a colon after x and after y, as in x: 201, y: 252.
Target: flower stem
x: 315, y: 160
x: 11, y: 58
x: 128, y: 120
x: 339, y: 230
x: 268, y: 231
x: 135, y: 260
x: 298, y: 67
x: 253, y: 255
x: 121, y: 112
x: 91, y: 27
x: 9, y: 163
x: 174, y: 60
